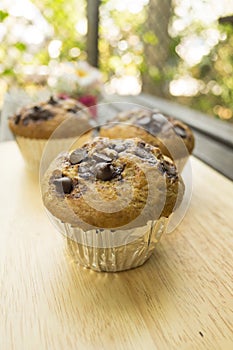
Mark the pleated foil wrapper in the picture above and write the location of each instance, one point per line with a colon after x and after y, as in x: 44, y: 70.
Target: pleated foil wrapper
x: 107, y: 250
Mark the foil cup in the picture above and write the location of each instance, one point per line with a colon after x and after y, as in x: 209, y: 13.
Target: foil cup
x: 107, y: 250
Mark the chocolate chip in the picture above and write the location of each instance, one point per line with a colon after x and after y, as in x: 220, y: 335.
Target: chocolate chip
x: 78, y: 155
x: 63, y: 185
x: 93, y: 169
x: 119, y: 148
x: 166, y: 127
x: 154, y: 129
x: 41, y: 114
x: 104, y: 171
x: 46, y: 114
x: 158, y: 121
x: 180, y: 131
x: 52, y: 101
x: 17, y: 119
x: 83, y: 169
x: 141, y: 144
x: 142, y: 153
x: 26, y: 121
x: 111, y: 153
x: 86, y: 175
x: 144, y: 120
x: 161, y: 168
x: 159, y: 118
x: 102, y: 158
x: 36, y: 108
x: 72, y: 110
x: 166, y: 167
x: 34, y: 117
x: 170, y: 168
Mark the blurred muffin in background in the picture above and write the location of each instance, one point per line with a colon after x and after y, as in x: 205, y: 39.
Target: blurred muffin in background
x: 174, y: 138
x: 34, y: 125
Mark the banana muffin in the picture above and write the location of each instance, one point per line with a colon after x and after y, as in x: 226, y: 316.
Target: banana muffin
x: 36, y: 123
x: 112, y: 198
x: 173, y: 137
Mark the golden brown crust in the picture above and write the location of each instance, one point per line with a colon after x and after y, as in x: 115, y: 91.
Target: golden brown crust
x: 167, y: 136
x: 39, y: 121
x: 143, y: 185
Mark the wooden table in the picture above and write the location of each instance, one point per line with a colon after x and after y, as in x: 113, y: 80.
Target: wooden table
x: 180, y: 299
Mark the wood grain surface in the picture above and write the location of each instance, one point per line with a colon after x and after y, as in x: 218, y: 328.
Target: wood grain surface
x: 180, y: 299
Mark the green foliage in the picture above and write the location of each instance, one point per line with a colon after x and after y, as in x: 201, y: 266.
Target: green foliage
x: 63, y: 15
x: 150, y: 37
x: 16, y: 55
x: 120, y: 42
x: 3, y: 15
x: 123, y: 35
x: 216, y: 72
x: 20, y: 46
x: 8, y: 72
x: 155, y: 74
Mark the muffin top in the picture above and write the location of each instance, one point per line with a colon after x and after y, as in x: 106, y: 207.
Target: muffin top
x: 109, y: 183
x: 40, y: 120
x: 153, y: 122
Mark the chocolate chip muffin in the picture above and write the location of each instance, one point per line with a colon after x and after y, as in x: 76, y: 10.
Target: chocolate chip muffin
x: 112, y: 198
x: 35, y: 124
x: 174, y: 138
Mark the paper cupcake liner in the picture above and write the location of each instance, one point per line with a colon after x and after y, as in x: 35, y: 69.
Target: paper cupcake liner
x: 112, y: 250
x: 32, y: 149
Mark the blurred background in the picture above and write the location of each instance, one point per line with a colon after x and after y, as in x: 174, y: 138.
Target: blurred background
x: 181, y: 50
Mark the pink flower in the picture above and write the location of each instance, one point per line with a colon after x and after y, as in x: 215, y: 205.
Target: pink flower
x: 89, y: 101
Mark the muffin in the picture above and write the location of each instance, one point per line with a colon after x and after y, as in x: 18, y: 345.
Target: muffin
x: 36, y: 123
x: 112, y: 199
x: 173, y: 137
